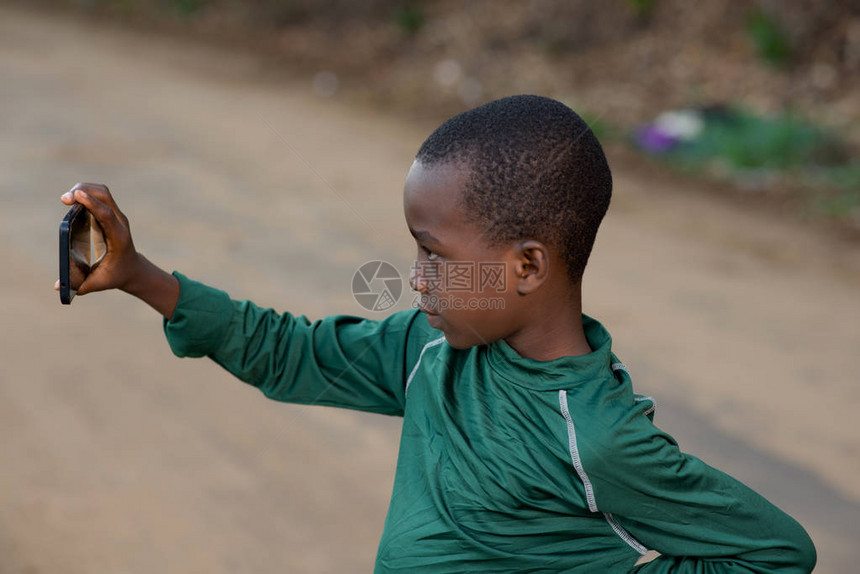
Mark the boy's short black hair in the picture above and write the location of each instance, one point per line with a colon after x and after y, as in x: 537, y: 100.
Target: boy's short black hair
x: 536, y: 171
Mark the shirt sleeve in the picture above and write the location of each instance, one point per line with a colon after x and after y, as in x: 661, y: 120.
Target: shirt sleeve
x: 699, y: 519
x: 339, y: 361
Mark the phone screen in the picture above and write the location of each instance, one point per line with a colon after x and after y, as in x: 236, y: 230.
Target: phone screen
x: 82, y: 246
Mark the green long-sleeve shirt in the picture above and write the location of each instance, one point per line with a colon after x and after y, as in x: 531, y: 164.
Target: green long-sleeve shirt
x: 506, y: 464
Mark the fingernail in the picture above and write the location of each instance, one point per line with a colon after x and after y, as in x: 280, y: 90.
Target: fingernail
x: 66, y: 195
x: 83, y: 194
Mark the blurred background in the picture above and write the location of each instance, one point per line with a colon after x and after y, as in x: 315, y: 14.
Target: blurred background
x: 262, y: 146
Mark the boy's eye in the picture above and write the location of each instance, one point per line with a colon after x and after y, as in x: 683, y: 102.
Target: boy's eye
x: 431, y: 255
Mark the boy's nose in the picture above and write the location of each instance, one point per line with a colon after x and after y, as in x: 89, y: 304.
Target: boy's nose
x: 416, y: 281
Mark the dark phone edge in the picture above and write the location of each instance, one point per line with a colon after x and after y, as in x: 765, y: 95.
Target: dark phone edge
x: 66, y: 293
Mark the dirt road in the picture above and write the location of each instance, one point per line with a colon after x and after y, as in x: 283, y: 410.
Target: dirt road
x: 117, y: 458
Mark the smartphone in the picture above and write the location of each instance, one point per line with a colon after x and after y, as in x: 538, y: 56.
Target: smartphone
x: 82, y: 246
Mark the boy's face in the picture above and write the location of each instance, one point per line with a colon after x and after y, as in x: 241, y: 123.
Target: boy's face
x: 466, y: 287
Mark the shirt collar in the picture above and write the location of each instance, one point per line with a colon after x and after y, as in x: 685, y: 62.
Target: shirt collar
x: 564, y: 372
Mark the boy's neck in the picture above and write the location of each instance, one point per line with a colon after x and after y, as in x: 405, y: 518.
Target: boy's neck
x: 554, y: 332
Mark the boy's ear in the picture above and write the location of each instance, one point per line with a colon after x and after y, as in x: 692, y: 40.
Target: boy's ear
x: 531, y: 266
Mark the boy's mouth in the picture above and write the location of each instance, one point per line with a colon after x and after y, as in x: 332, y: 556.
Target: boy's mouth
x: 433, y: 319
x: 424, y: 308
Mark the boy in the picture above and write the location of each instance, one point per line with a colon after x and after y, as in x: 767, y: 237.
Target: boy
x: 524, y: 448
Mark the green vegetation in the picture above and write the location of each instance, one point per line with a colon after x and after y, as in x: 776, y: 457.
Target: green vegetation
x: 843, y: 200
x: 186, y: 7
x: 743, y: 140
x: 603, y: 129
x: 756, y: 151
x: 771, y: 41
x: 642, y: 8
x: 410, y: 18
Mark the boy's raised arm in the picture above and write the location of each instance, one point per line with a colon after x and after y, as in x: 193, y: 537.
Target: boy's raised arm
x: 341, y: 361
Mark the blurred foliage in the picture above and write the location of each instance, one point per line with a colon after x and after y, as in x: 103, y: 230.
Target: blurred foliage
x: 781, y: 32
x: 604, y: 130
x: 844, y: 200
x: 771, y: 41
x: 642, y: 8
x: 759, y: 152
x: 186, y: 7
x: 743, y: 140
x: 410, y: 17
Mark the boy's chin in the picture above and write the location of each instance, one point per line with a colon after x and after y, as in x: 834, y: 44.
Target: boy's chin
x: 457, y: 336
x: 463, y: 341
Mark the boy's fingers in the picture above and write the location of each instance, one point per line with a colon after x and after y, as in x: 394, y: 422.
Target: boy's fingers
x: 57, y: 285
x: 69, y: 196
x: 98, y: 191
x: 86, y: 286
x: 102, y: 212
x: 94, y: 189
x: 93, y: 283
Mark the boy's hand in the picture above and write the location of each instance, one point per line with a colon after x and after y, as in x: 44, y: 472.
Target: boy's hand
x: 121, y: 263
x: 122, y: 267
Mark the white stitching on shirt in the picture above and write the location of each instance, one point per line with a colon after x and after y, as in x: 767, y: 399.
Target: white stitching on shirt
x: 653, y: 404
x: 586, y: 482
x: 619, y: 367
x: 625, y: 536
x: 574, y: 452
x: 432, y: 343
